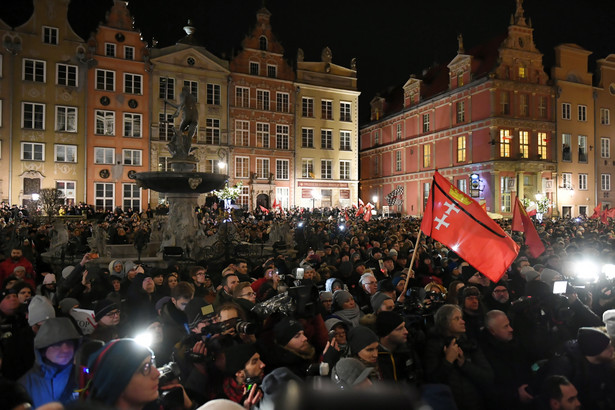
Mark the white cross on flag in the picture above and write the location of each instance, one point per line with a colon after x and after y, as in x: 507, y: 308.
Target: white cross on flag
x: 461, y: 224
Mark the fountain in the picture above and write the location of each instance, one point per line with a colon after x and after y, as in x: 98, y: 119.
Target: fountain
x: 183, y: 184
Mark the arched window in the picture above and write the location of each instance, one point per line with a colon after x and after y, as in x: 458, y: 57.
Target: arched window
x: 263, y: 43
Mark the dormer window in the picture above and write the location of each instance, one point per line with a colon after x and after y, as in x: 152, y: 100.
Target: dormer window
x: 262, y: 43
x: 460, y: 80
x: 522, y: 72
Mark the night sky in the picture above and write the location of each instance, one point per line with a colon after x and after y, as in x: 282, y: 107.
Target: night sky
x: 390, y: 39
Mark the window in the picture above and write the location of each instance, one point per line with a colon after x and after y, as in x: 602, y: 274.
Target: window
x: 193, y: 87
x: 605, y: 147
x: 460, y: 80
x: 583, y: 182
x: 242, y: 167
x: 262, y: 43
x: 132, y: 125
x: 461, y: 111
x: 426, y: 155
x: 132, y: 157
x: 462, y: 185
x: 522, y: 72
x: 605, y: 182
x: 461, y: 148
x: 307, y: 107
x: 505, y: 143
x: 605, y: 116
x: 281, y: 194
x: 254, y: 68
x: 345, y: 141
x: 566, y: 151
x: 165, y: 126
x: 131, y: 197
x: 262, y: 168
x: 105, y: 80
x: 345, y: 111
x: 272, y: 71
x: 582, y: 148
x: 582, y: 110
x: 33, y: 116
x: 32, y: 151
x: 242, y: 97
x: 505, y: 197
x: 376, y: 137
x: 242, y: 133
x: 345, y: 170
x: 262, y: 134
x: 103, y: 196
x: 281, y: 137
x: 325, y: 169
x: 34, y: 70
x: 1, y: 113
x: 307, y: 138
x: 212, y: 131
x: 426, y: 189
x: 212, y: 166
x: 524, y: 144
x: 398, y: 160
x: 398, y: 132
x: 542, y: 145
x: 129, y: 52
x: 425, y: 122
x: 105, y: 122
x: 244, y: 197
x: 523, y: 107
x: 163, y: 164
x: 65, y: 153
x: 166, y: 88
x: 326, y: 109
x: 282, y: 103
x: 68, y: 191
x: 566, y: 110
x: 262, y: 99
x: 281, y: 169
x: 326, y: 137
x: 110, y: 49
x: 307, y: 168
x: 66, y: 119
x: 504, y: 102
x: 66, y: 75
x: 104, y: 155
x: 133, y: 83
x: 566, y: 180
x: 50, y: 35
x: 213, y: 94
x: 542, y: 107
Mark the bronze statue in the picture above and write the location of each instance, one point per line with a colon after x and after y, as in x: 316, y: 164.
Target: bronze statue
x: 180, y: 145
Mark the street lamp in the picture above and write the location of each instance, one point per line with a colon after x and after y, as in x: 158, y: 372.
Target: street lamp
x: 315, y: 196
x: 35, y: 197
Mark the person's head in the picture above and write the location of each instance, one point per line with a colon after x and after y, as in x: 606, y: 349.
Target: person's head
x: 391, y: 329
x: 197, y: 273
x: 241, y: 266
x: 107, y: 313
x: 243, y: 290
x: 595, y: 345
x: 19, y: 272
x: 399, y: 282
x: 448, y: 321
x: 16, y: 254
x: 381, y: 302
x: 369, y: 283
x: 498, y: 325
x: 339, y: 329
x: 200, y: 314
x: 560, y: 394
x: 243, y: 362
x: 271, y: 274
x: 342, y: 299
x: 172, y: 280
x: 182, y: 294
x: 56, y: 340
x: 500, y: 292
x: 326, y: 298
x: 363, y: 344
x: 158, y: 277
x: 289, y: 333
x: 148, y: 285
x: 229, y: 282
x: 470, y: 299
x: 117, y: 267
x: 9, y: 302
x: 351, y: 373
x: 124, y: 375
x: 24, y: 292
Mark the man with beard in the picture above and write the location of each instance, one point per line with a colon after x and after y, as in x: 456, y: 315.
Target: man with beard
x: 395, y: 360
x: 244, y: 369
x: 7, y: 267
x: 499, y: 298
x: 291, y: 349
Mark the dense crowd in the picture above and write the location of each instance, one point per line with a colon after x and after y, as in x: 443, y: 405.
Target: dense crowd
x: 352, y: 309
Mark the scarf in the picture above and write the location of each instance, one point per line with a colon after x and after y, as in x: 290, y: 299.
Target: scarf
x: 350, y: 316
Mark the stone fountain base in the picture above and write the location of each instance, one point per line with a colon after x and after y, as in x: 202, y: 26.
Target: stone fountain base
x: 182, y: 227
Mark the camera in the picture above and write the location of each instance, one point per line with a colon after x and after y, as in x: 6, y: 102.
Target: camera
x: 168, y: 373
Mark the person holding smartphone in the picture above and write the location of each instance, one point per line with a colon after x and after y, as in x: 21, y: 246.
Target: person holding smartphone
x: 245, y: 371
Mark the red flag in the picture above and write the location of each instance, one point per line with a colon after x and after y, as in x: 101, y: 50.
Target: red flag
x: 597, y: 210
x: 368, y: 212
x: 610, y: 212
x: 522, y: 223
x: 265, y: 210
x: 346, y: 215
x: 604, y: 217
x: 361, y: 209
x: 484, y: 206
x: 459, y: 222
x: 531, y: 210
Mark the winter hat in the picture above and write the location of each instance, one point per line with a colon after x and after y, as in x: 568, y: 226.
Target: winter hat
x: 324, y: 296
x: 340, y: 297
x: 237, y: 356
x: 548, y: 275
x: 19, y: 267
x: 112, y: 366
x: 198, y: 310
x: 529, y: 273
x: 592, y: 341
x: 397, y: 279
x: 608, y: 317
x: 286, y: 329
x: 6, y: 292
x: 67, y: 271
x: 103, y: 307
x: 276, y: 381
x: 377, y: 300
x: 220, y: 404
x: 67, y: 304
x: 49, y: 279
x: 55, y: 330
x: 386, y: 322
x: 331, y: 323
x: 359, y: 338
x: 40, y: 309
x: 349, y: 372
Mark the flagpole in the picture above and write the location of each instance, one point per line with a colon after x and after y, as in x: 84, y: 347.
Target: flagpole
x: 402, y: 297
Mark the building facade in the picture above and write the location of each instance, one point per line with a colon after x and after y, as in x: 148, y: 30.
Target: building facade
x: 604, y: 105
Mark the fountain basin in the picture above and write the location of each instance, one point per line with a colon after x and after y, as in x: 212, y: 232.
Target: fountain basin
x: 180, y: 182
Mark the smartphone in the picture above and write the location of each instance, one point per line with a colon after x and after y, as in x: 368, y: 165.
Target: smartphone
x: 381, y: 264
x: 94, y: 255
x: 559, y: 287
x: 299, y: 274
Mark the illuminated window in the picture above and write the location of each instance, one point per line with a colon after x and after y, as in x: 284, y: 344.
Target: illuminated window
x: 461, y: 148
x: 426, y: 156
x: 522, y: 72
x: 505, y: 143
x: 262, y: 168
x: 542, y: 145
x: 242, y: 133
x: 605, y: 147
x: 583, y: 182
x: 242, y: 167
x: 524, y: 144
x: 262, y: 134
x: 582, y: 148
x: 307, y: 168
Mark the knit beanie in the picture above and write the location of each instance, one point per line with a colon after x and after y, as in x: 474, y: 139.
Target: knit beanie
x: 386, y: 322
x: 103, y: 307
x: 325, y: 296
x: 49, y: 279
x: 548, y: 275
x: 349, y: 371
x: 237, y: 356
x: 55, y: 330
x: 397, y: 279
x: 592, y: 341
x: 377, y: 300
x: 39, y: 309
x: 67, y: 304
x: 608, y: 317
x: 285, y: 330
x: 112, y: 367
x: 529, y: 273
x: 340, y: 297
x: 220, y: 404
x: 359, y: 338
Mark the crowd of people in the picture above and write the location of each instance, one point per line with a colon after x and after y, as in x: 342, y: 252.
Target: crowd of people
x: 358, y: 310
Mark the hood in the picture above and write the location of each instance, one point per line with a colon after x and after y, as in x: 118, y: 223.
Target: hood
x: 122, y: 273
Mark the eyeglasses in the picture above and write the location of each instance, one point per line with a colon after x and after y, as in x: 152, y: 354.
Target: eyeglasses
x: 249, y: 294
x: 146, y: 369
x: 113, y: 313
